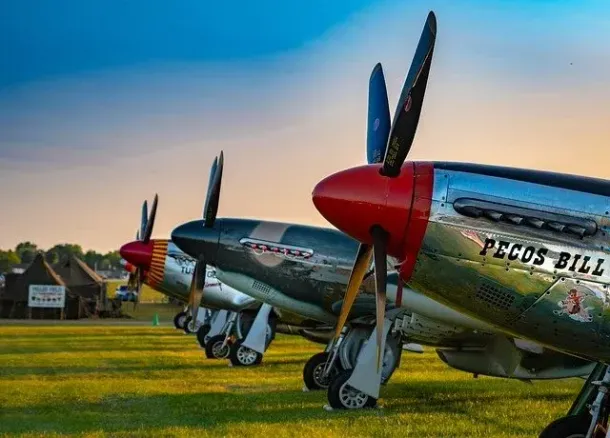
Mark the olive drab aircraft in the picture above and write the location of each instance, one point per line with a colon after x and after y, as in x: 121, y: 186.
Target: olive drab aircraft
x: 232, y: 325
x: 524, y: 251
x: 304, y: 270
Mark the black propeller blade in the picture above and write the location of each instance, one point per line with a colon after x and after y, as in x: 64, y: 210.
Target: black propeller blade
x: 210, y: 210
x: 411, y: 100
x: 396, y: 147
x: 151, y: 220
x: 196, y: 290
x: 136, y: 279
x: 378, y: 122
x: 380, y: 239
x: 144, y: 221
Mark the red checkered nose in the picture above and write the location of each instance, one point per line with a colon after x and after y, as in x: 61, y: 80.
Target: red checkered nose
x: 138, y: 253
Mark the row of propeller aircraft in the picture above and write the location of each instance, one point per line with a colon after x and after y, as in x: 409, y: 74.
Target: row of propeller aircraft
x: 503, y: 271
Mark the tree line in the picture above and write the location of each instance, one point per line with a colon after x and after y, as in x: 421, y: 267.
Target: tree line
x: 25, y: 252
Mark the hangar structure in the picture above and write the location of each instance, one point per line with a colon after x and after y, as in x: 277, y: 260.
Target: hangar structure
x: 83, y: 291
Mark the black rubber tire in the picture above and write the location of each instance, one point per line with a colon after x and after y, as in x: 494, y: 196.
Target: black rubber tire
x: 209, y: 348
x: 236, y: 351
x: 335, y: 389
x: 573, y: 426
x: 187, y: 320
x: 177, y: 318
x: 314, y: 366
x: 202, y: 332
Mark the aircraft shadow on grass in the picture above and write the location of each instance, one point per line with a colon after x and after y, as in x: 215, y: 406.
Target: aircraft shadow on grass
x: 205, y: 410
x: 122, y: 366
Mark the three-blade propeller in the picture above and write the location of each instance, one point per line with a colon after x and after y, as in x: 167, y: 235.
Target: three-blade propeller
x: 210, y: 210
x: 392, y: 141
x: 143, y: 235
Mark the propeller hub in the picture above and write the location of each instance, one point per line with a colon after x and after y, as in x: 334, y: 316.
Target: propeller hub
x: 356, y: 199
x: 138, y: 253
x: 195, y: 239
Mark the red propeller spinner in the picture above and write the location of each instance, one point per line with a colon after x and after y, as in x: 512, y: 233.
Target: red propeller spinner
x: 138, y: 253
x: 356, y: 199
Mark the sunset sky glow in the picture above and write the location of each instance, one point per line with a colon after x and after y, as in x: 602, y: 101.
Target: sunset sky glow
x: 105, y: 103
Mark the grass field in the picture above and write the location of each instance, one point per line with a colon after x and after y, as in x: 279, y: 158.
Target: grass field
x: 147, y: 294
x: 138, y: 381
x: 151, y: 302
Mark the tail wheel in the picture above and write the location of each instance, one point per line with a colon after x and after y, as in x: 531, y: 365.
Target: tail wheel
x: 243, y: 356
x: 179, y: 320
x: 572, y: 426
x: 202, y: 332
x: 343, y: 396
x: 314, y: 369
x: 214, y: 348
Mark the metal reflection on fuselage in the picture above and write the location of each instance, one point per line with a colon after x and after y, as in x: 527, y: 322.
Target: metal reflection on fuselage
x: 177, y: 280
x: 315, y: 271
x: 530, y: 278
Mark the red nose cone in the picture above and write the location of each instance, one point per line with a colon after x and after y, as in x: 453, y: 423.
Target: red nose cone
x: 129, y: 267
x: 355, y: 199
x: 138, y: 253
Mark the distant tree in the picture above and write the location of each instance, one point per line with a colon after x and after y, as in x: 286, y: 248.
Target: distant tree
x: 114, y: 259
x: 51, y: 257
x: 26, y: 251
x: 104, y: 265
x: 8, y: 259
x: 93, y: 259
x: 65, y: 250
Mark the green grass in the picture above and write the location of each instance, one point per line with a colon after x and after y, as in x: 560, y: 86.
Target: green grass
x: 137, y: 381
x: 146, y: 311
x: 147, y: 294
x: 151, y: 302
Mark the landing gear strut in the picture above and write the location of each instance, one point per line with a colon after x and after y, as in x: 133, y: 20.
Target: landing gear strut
x: 343, y: 396
x: 351, y: 365
x: 217, y: 347
x: 191, y: 326
x: 226, y: 339
x: 313, y: 373
x: 239, y: 355
x: 588, y: 416
x: 249, y: 350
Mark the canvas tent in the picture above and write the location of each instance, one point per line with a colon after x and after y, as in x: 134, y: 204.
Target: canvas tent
x: 14, y: 299
x: 84, y: 282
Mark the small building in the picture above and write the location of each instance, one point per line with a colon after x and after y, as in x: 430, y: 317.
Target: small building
x: 14, y: 298
x: 84, y: 282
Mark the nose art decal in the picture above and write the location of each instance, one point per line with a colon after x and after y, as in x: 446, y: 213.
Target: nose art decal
x: 157, y: 265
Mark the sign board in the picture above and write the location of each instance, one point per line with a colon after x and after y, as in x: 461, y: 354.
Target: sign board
x: 47, y: 296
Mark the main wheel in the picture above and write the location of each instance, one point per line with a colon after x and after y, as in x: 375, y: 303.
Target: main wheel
x: 214, y: 348
x: 179, y: 320
x: 572, y: 426
x: 343, y: 396
x: 202, y: 332
x: 188, y: 327
x: 314, y: 369
x: 241, y: 356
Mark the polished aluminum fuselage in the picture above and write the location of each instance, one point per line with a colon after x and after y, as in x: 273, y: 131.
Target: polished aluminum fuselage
x: 539, y: 270
x: 176, y: 280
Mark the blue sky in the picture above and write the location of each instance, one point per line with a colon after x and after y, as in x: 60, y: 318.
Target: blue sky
x: 47, y: 39
x: 104, y: 103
